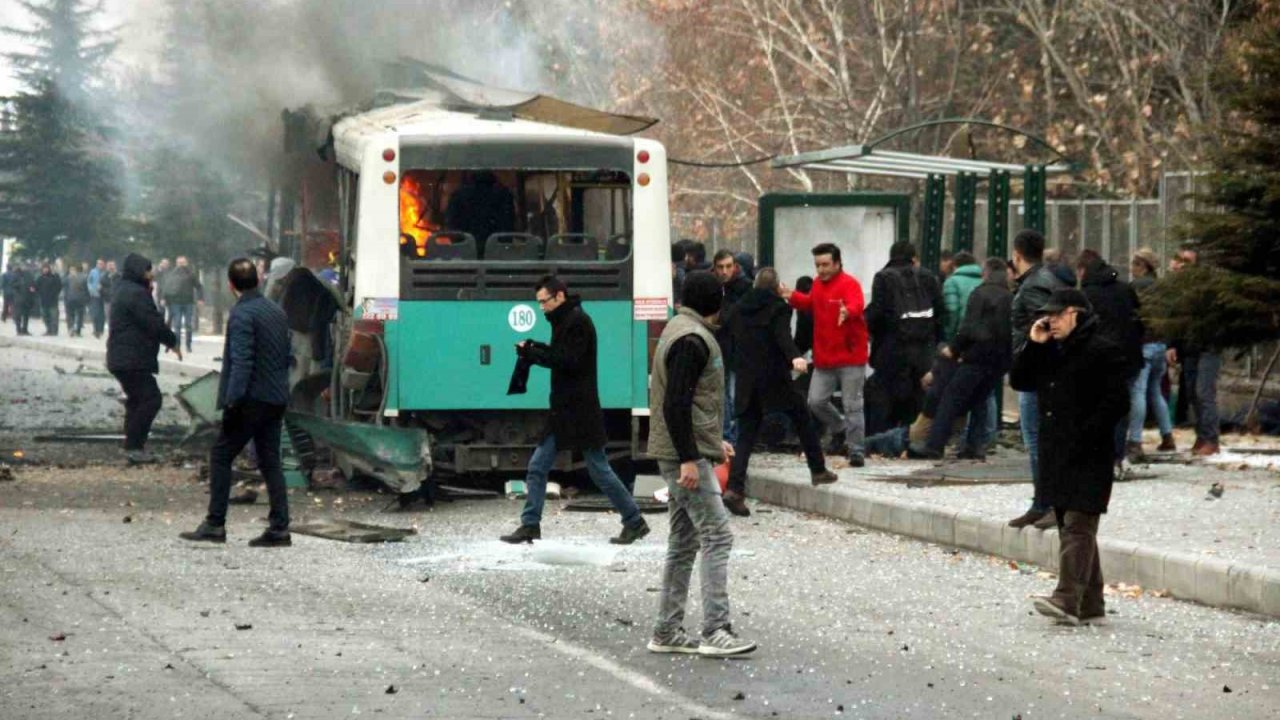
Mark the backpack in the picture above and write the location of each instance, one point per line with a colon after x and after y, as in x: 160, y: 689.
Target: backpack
x: 913, y: 306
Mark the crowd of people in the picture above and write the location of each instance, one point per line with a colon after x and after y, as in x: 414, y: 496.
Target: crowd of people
x: 80, y: 293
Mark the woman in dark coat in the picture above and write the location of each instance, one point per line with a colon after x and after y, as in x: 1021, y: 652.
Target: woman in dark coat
x: 1081, y: 379
x: 577, y: 422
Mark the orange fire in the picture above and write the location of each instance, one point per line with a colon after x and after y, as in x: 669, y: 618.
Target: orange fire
x: 414, y: 221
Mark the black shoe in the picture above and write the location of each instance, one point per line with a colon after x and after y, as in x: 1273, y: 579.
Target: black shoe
x: 826, y: 477
x: 631, y: 534
x: 967, y: 454
x: 857, y: 460
x: 206, y: 533
x: 272, y: 538
x: 140, y: 457
x: 523, y: 534
x: 1027, y: 518
x: 736, y: 503
x: 918, y: 452
x: 836, y: 446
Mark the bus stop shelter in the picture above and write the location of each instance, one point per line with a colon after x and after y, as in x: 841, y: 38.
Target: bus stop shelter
x: 934, y: 170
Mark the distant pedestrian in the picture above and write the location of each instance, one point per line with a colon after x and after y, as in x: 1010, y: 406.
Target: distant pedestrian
x: 576, y: 420
x: 77, y: 298
x: 1081, y: 378
x: 686, y: 402
x: 26, y: 299
x: 983, y: 350
x: 1146, y: 392
x: 49, y: 288
x: 839, y: 351
x: 1198, y: 379
x: 1035, y: 283
x: 159, y: 285
x: 10, y: 295
x: 759, y: 330
x: 183, y: 294
x: 905, y: 322
x: 99, y: 285
x: 1116, y: 306
x: 735, y: 286
x: 253, y: 392
x: 137, y: 332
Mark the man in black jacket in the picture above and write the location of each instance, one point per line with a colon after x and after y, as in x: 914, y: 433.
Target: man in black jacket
x: 983, y: 351
x: 1080, y: 377
x: 137, y: 332
x: 736, y: 286
x: 759, y: 332
x: 905, y: 323
x: 49, y: 287
x: 24, y: 299
x: 577, y: 421
x: 253, y: 392
x: 1036, y: 282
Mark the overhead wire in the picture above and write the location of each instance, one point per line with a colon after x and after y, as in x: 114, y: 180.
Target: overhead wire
x: 742, y: 163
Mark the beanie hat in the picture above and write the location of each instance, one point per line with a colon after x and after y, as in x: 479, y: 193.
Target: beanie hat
x: 702, y: 293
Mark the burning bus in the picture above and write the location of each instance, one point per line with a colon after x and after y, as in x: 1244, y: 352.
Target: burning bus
x: 449, y: 206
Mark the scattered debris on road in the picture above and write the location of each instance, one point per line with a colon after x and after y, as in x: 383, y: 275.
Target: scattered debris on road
x: 353, y: 532
x: 244, y: 626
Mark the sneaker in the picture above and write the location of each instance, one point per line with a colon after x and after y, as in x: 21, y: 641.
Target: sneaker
x: 736, y: 503
x: 857, y: 460
x: 678, y: 642
x: 1047, y: 607
x: 1167, y: 444
x: 826, y: 477
x: 140, y: 457
x: 1050, y: 520
x: 631, y: 533
x: 206, y: 533
x: 724, y: 643
x: 1027, y: 518
x: 272, y: 538
x: 523, y: 534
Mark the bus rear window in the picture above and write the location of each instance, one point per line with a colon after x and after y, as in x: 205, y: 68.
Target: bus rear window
x: 515, y: 215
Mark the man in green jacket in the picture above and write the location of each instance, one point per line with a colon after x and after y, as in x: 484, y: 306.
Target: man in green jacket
x: 956, y: 291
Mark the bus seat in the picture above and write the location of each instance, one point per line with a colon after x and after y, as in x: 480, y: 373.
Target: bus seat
x: 572, y: 246
x: 619, y: 247
x: 513, y: 246
x: 451, y: 245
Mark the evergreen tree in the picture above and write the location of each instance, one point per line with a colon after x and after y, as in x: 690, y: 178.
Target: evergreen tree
x: 1232, y: 297
x: 58, y: 173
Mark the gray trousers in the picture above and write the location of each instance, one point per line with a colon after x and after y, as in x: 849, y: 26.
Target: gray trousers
x: 850, y: 379
x: 699, y: 521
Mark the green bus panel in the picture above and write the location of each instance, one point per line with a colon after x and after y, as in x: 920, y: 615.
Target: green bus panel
x: 459, y: 355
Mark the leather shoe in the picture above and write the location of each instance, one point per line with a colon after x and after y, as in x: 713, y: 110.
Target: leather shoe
x: 1027, y: 518
x: 826, y: 477
x: 272, y: 538
x: 736, y: 503
x: 1050, y: 520
x: 206, y: 533
x: 1167, y: 444
x: 1206, y: 449
x: 523, y: 534
x: 631, y: 533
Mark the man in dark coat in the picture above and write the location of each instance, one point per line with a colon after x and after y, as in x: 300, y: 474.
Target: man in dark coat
x: 759, y: 332
x: 736, y: 286
x: 6, y: 284
x: 137, y: 332
x: 1035, y: 283
x: 577, y: 422
x: 1081, y: 379
x: 983, y: 351
x: 253, y: 391
x: 905, y: 322
x: 77, y: 300
x: 24, y: 299
x: 49, y: 288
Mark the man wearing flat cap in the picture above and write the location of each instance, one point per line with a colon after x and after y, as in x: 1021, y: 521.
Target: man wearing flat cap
x: 1081, y: 380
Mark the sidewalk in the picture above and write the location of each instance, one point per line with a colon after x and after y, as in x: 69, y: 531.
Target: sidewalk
x: 1163, y: 533
x: 206, y: 355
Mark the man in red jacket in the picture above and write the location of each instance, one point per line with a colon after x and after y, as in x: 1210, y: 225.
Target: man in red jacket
x: 839, y: 350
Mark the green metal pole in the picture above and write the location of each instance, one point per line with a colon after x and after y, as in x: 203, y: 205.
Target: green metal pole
x: 966, y: 199
x: 935, y: 205
x: 1033, y: 197
x: 998, y: 214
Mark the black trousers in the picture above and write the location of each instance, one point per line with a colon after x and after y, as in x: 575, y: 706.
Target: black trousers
x: 50, y: 313
x: 966, y: 392
x: 141, y: 406
x: 21, y: 317
x: 261, y: 423
x: 749, y: 429
x: 75, y: 317
x: 894, y: 395
x: 8, y: 307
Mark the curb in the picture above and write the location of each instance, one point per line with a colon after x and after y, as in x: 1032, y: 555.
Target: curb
x: 1210, y: 581
x: 167, y: 366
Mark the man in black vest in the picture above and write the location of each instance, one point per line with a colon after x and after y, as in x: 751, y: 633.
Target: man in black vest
x: 577, y: 422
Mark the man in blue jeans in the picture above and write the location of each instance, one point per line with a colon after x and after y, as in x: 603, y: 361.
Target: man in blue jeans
x: 1036, y: 282
x: 577, y: 422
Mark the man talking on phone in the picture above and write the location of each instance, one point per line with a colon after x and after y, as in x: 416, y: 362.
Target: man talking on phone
x: 1080, y: 377
x: 686, y: 404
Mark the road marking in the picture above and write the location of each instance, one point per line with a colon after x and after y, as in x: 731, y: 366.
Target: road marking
x: 636, y: 680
